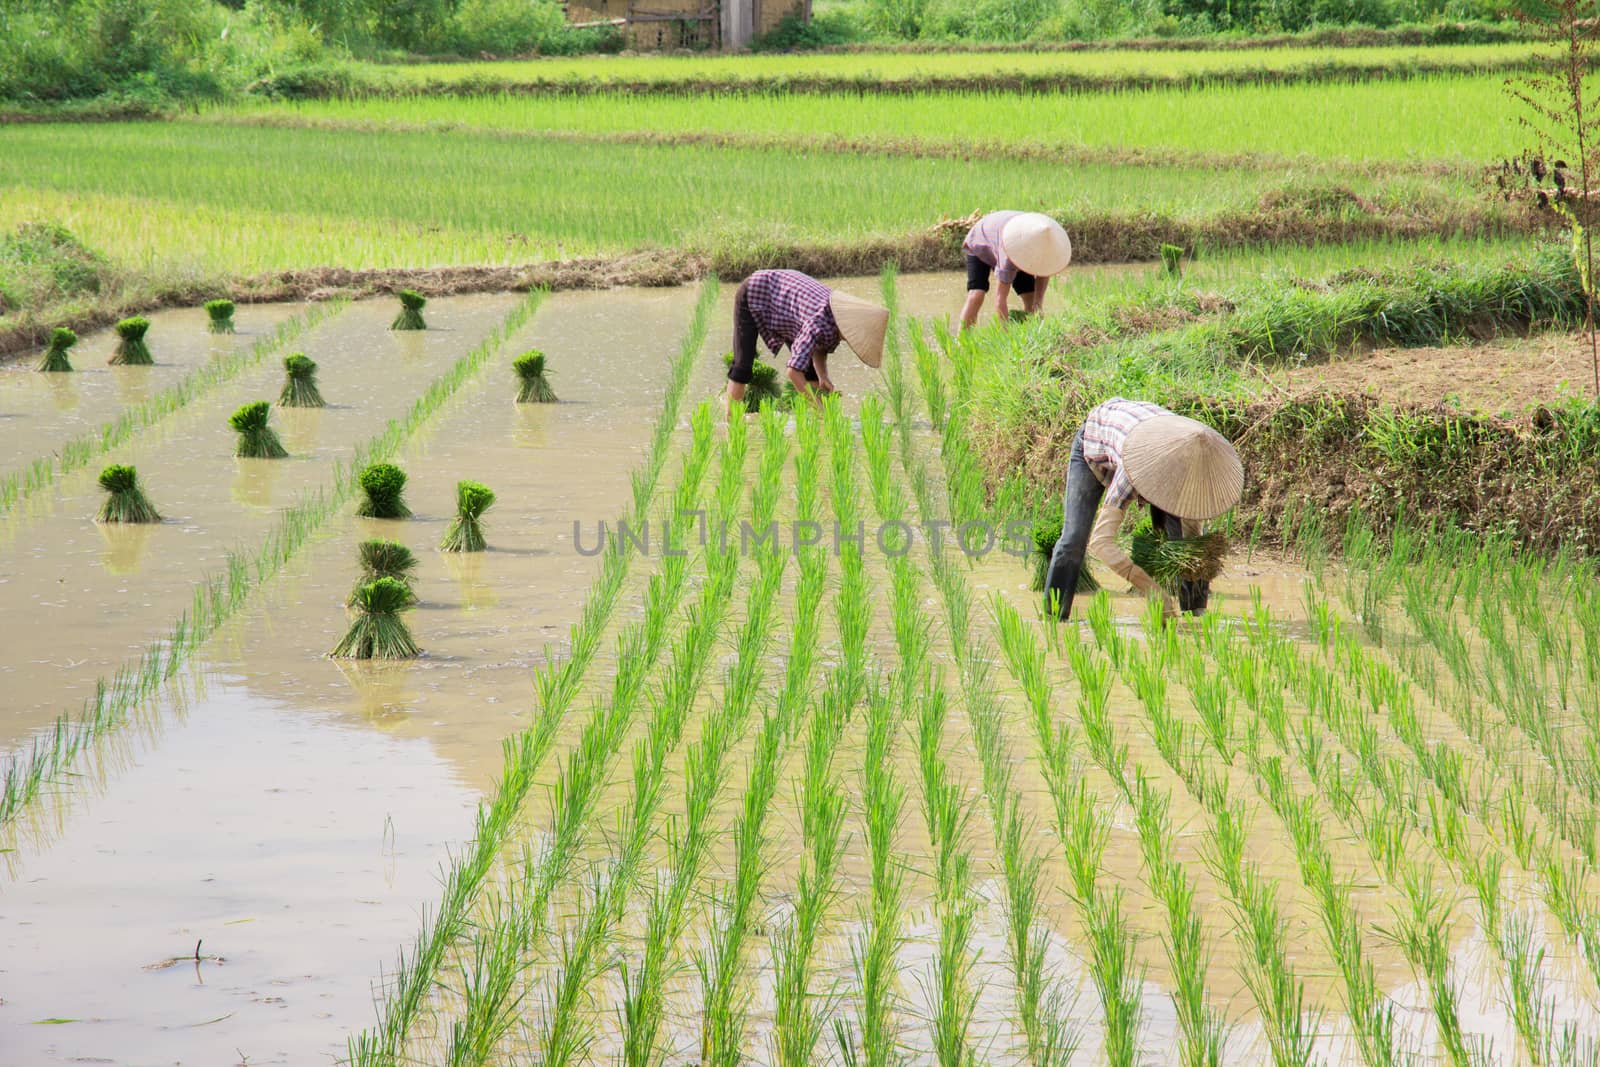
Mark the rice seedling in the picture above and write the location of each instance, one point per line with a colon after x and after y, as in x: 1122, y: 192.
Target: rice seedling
x: 378, y: 632
x: 300, y: 383
x: 131, y: 349
x: 533, y: 387
x: 465, y: 533
x: 125, y: 500
x: 55, y: 358
x: 383, y: 492
x: 380, y: 558
x: 219, y: 315
x: 257, y: 440
x: 1170, y: 560
x: 410, y: 317
x: 766, y: 385
x: 1172, y: 260
x: 1046, y: 532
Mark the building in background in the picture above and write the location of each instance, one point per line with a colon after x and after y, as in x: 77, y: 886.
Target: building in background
x: 658, y: 24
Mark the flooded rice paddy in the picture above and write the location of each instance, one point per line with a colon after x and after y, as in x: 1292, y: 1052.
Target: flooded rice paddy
x: 233, y: 873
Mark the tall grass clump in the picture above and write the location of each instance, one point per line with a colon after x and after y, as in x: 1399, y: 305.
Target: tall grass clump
x: 533, y: 387
x: 383, y: 488
x: 219, y: 314
x: 257, y: 440
x: 125, y: 500
x: 466, y: 529
x: 382, y: 558
x: 55, y: 358
x: 410, y: 317
x: 300, y: 383
x: 131, y: 349
x: 378, y: 632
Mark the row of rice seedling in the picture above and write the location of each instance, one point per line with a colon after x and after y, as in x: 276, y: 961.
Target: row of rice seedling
x: 80, y: 451
x: 404, y: 997
x: 218, y: 597
x: 1382, y: 121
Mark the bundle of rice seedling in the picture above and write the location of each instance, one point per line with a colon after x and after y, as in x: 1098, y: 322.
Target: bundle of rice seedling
x: 1172, y: 260
x: 1171, y: 560
x: 125, y: 501
x: 466, y: 529
x: 535, y: 387
x: 1046, y: 532
x: 410, y: 317
x: 221, y: 312
x: 384, y: 559
x: 300, y: 387
x: 55, y: 356
x: 764, y: 386
x: 378, y: 632
x: 257, y: 440
x: 383, y: 487
x: 131, y: 349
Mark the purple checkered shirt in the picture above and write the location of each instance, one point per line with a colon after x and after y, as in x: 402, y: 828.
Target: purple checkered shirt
x: 983, y: 241
x: 1105, y: 431
x: 792, y: 309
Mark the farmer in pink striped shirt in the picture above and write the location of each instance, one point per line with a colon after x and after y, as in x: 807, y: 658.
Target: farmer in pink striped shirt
x: 1131, y: 451
x: 785, y: 307
x: 1022, y: 249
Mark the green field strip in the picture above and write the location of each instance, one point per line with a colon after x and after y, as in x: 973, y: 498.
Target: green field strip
x: 218, y: 596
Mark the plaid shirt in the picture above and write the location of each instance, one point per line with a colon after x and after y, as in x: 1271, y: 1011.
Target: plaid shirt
x: 792, y: 309
x: 983, y: 241
x: 1105, y: 431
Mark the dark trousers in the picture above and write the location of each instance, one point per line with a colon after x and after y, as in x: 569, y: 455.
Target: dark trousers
x: 745, y: 335
x: 1078, y: 507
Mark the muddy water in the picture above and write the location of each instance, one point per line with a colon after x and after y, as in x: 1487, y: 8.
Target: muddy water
x: 355, y: 777
x: 38, y: 412
x: 98, y: 597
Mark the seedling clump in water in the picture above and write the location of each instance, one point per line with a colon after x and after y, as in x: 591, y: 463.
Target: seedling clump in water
x: 300, y: 387
x: 466, y: 529
x: 221, y: 312
x: 383, y: 487
x: 378, y: 632
x: 535, y: 387
x: 131, y: 349
x: 257, y: 440
x: 382, y: 558
x: 55, y: 356
x: 1171, y: 560
x: 764, y: 387
x: 410, y: 317
x: 125, y: 501
x: 1046, y: 532
x: 1172, y: 260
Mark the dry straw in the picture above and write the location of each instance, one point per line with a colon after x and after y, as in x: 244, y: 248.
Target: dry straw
x: 410, y: 317
x: 466, y: 529
x: 534, y: 387
x: 55, y: 358
x: 125, y: 501
x: 221, y: 316
x: 131, y: 349
x: 378, y: 632
x: 257, y: 440
x: 300, y: 384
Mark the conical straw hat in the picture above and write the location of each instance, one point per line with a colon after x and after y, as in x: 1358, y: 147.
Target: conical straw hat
x: 1037, y: 244
x: 1183, y: 467
x: 862, y: 325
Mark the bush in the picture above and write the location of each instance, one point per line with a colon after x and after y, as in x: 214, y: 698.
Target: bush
x: 42, y: 263
x: 794, y: 34
x: 506, y: 28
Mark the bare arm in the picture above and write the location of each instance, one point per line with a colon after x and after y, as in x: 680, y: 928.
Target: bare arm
x: 1002, y: 299
x: 1103, y: 545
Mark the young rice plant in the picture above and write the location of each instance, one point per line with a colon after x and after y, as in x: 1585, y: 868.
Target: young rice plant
x: 465, y: 533
x: 257, y: 440
x: 300, y: 383
x: 125, y: 500
x: 131, y: 348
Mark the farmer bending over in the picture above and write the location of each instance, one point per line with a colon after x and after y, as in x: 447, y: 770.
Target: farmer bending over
x: 1023, y: 249
x: 789, y: 308
x: 1131, y: 451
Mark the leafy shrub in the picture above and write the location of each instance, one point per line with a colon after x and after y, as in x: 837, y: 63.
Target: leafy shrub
x: 43, y: 263
x: 794, y: 34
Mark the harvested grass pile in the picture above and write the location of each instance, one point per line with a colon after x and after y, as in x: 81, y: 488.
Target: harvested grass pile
x: 1046, y: 532
x: 383, y: 487
x: 378, y: 632
x: 125, y: 501
x: 410, y: 317
x: 466, y: 529
x: 534, y: 387
x: 765, y: 386
x: 257, y: 440
x: 221, y: 316
x: 55, y: 358
x: 381, y: 558
x: 300, y: 384
x: 131, y: 349
x: 1172, y: 560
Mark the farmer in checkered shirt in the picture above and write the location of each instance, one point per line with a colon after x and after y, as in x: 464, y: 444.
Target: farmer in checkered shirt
x: 785, y: 307
x: 1022, y: 249
x: 1131, y: 451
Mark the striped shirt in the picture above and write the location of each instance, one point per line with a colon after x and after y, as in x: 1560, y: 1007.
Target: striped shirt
x: 983, y: 241
x: 1105, y: 431
x: 792, y: 309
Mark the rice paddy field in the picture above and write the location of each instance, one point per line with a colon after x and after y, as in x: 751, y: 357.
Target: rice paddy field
x: 422, y: 667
